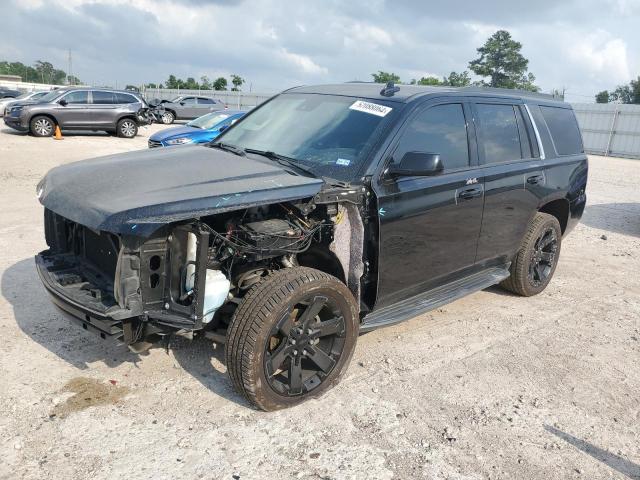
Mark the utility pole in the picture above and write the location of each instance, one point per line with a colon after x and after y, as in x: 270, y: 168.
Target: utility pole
x: 69, y: 75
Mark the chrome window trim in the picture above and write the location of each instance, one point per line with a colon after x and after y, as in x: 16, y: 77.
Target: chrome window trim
x: 535, y: 130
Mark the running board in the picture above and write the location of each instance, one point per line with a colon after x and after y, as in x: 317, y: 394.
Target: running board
x: 432, y: 299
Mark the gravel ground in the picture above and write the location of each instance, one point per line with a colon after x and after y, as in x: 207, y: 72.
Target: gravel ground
x: 491, y: 386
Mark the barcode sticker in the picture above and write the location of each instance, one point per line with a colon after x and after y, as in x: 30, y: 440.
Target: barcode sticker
x: 372, y: 108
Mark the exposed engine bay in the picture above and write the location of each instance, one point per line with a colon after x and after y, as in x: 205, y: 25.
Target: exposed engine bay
x: 192, y: 275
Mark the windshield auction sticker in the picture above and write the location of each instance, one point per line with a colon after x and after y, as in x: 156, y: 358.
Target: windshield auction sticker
x: 372, y: 108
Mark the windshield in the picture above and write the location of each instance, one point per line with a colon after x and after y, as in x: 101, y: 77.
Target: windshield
x: 176, y: 100
x: 329, y: 135
x: 49, y: 97
x: 209, y: 120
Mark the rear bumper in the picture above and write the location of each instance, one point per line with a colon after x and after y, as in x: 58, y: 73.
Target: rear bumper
x: 576, y: 209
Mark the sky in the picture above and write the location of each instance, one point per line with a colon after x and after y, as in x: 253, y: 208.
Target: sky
x: 584, y: 46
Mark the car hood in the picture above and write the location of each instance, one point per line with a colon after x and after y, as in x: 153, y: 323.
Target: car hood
x: 138, y: 192
x: 181, y: 131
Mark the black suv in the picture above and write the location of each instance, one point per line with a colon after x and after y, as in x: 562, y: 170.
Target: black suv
x: 326, y: 212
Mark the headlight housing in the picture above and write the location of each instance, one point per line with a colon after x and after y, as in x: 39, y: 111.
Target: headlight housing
x: 179, y: 141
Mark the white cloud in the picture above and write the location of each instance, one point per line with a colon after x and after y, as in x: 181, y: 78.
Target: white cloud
x: 600, y: 54
x: 303, y: 63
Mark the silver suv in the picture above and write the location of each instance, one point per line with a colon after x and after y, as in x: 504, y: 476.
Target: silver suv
x: 114, y: 111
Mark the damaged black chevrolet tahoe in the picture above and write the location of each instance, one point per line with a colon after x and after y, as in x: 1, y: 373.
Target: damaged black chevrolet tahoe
x: 326, y: 212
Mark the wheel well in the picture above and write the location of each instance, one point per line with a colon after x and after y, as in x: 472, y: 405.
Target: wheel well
x: 48, y: 115
x: 173, y: 112
x: 559, y: 209
x: 322, y: 259
x: 130, y: 117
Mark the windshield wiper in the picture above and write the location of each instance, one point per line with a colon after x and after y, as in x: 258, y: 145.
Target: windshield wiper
x: 282, y: 160
x: 227, y: 147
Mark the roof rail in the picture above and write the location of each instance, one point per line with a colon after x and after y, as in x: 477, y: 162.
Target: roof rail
x: 512, y: 91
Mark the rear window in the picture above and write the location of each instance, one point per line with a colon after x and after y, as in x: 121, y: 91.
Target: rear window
x: 564, y: 130
x: 125, y: 98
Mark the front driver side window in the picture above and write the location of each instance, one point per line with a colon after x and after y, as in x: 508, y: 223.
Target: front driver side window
x: 77, y: 98
x: 189, y: 100
x: 440, y: 129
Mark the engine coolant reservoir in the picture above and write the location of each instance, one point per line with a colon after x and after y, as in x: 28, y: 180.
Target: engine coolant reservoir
x: 215, y: 293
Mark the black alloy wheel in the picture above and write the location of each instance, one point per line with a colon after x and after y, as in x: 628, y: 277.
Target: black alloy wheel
x: 535, y: 262
x: 304, y: 346
x: 543, y: 257
x: 291, y: 338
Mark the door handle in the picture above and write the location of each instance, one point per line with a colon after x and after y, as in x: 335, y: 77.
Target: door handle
x: 535, y: 179
x: 470, y: 193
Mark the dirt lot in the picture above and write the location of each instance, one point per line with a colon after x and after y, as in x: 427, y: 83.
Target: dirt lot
x: 492, y: 386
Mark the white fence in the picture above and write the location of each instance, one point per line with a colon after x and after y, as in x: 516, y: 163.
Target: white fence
x: 238, y: 100
x: 610, y: 129
x: 25, y: 86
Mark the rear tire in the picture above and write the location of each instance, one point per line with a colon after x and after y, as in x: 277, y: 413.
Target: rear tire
x: 167, y: 117
x: 537, y: 258
x: 291, y: 338
x: 42, y: 126
x: 127, y: 128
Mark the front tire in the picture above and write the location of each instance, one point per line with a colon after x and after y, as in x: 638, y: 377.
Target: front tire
x: 41, y: 126
x: 127, y: 128
x: 291, y: 338
x: 537, y: 258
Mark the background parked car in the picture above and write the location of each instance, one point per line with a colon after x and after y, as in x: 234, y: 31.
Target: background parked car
x: 8, y: 93
x: 80, y: 109
x: 200, y: 130
x: 187, y: 107
x: 5, y: 102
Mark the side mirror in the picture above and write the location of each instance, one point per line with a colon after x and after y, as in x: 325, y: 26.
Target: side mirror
x: 223, y: 128
x: 181, y: 103
x: 63, y: 102
x: 417, y: 164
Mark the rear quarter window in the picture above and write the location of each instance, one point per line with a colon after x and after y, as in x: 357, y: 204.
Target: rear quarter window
x: 564, y: 130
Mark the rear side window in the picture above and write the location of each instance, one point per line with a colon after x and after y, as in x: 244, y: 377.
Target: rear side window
x: 564, y: 130
x: 440, y: 129
x: 125, y: 98
x: 206, y: 101
x: 103, y: 98
x: 500, y: 137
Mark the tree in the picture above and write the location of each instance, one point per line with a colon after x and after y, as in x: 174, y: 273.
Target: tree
x: 172, y: 82
x: 385, y: 77
x: 220, y: 83
x: 205, y: 83
x: 237, y: 81
x: 602, y: 97
x: 429, y: 81
x: 73, y: 80
x: 500, y: 60
x: 622, y: 94
x: 191, y: 84
x: 456, y: 79
x: 45, y: 71
x: 635, y: 90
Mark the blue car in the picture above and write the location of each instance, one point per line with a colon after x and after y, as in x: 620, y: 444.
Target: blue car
x: 201, y: 130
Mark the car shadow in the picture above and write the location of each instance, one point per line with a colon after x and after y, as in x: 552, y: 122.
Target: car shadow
x: 41, y: 321
x: 621, y: 465
x: 621, y: 218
